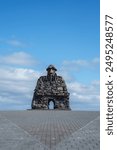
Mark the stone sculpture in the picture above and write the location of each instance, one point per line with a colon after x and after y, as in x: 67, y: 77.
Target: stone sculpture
x: 51, y: 88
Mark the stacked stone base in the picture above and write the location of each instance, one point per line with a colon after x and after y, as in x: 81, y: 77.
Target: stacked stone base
x: 42, y: 102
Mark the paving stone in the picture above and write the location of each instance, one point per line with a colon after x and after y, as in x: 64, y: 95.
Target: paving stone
x: 86, y: 138
x: 49, y: 130
x: 13, y: 137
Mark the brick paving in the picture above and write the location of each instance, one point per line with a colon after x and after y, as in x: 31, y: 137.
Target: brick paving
x: 49, y: 130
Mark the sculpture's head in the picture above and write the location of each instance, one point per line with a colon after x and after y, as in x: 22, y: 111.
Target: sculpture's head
x: 51, y: 70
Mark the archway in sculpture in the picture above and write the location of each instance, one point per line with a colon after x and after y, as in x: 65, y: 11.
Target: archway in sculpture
x: 51, y: 104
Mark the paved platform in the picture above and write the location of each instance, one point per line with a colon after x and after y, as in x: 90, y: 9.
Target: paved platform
x: 49, y: 130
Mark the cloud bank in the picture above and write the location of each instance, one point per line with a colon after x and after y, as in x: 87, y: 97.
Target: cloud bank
x: 18, y: 80
x: 17, y: 58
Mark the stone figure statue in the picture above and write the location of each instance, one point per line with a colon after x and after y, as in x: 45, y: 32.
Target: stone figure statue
x: 51, y: 88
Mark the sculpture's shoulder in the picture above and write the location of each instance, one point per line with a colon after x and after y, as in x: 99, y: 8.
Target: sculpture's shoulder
x: 42, y: 78
x: 59, y: 77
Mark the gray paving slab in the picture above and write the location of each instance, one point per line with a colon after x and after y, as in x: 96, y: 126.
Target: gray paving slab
x: 86, y: 138
x: 49, y: 130
x: 13, y: 137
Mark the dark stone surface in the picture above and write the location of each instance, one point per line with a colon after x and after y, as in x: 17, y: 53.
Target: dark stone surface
x: 51, y: 88
x: 49, y: 130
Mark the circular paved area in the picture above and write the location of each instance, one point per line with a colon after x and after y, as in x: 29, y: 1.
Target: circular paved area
x: 49, y: 130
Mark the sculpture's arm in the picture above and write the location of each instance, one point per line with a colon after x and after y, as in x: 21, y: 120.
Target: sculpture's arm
x: 64, y: 87
x: 39, y: 87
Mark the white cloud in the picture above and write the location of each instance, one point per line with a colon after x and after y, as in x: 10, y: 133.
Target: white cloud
x: 82, y: 62
x: 15, y: 42
x: 10, y: 73
x: 76, y: 65
x: 17, y: 58
x: 87, y: 95
x: 12, y: 42
x: 17, y: 85
x: 9, y: 100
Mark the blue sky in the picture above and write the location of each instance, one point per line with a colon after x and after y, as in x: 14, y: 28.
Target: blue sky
x: 36, y: 33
